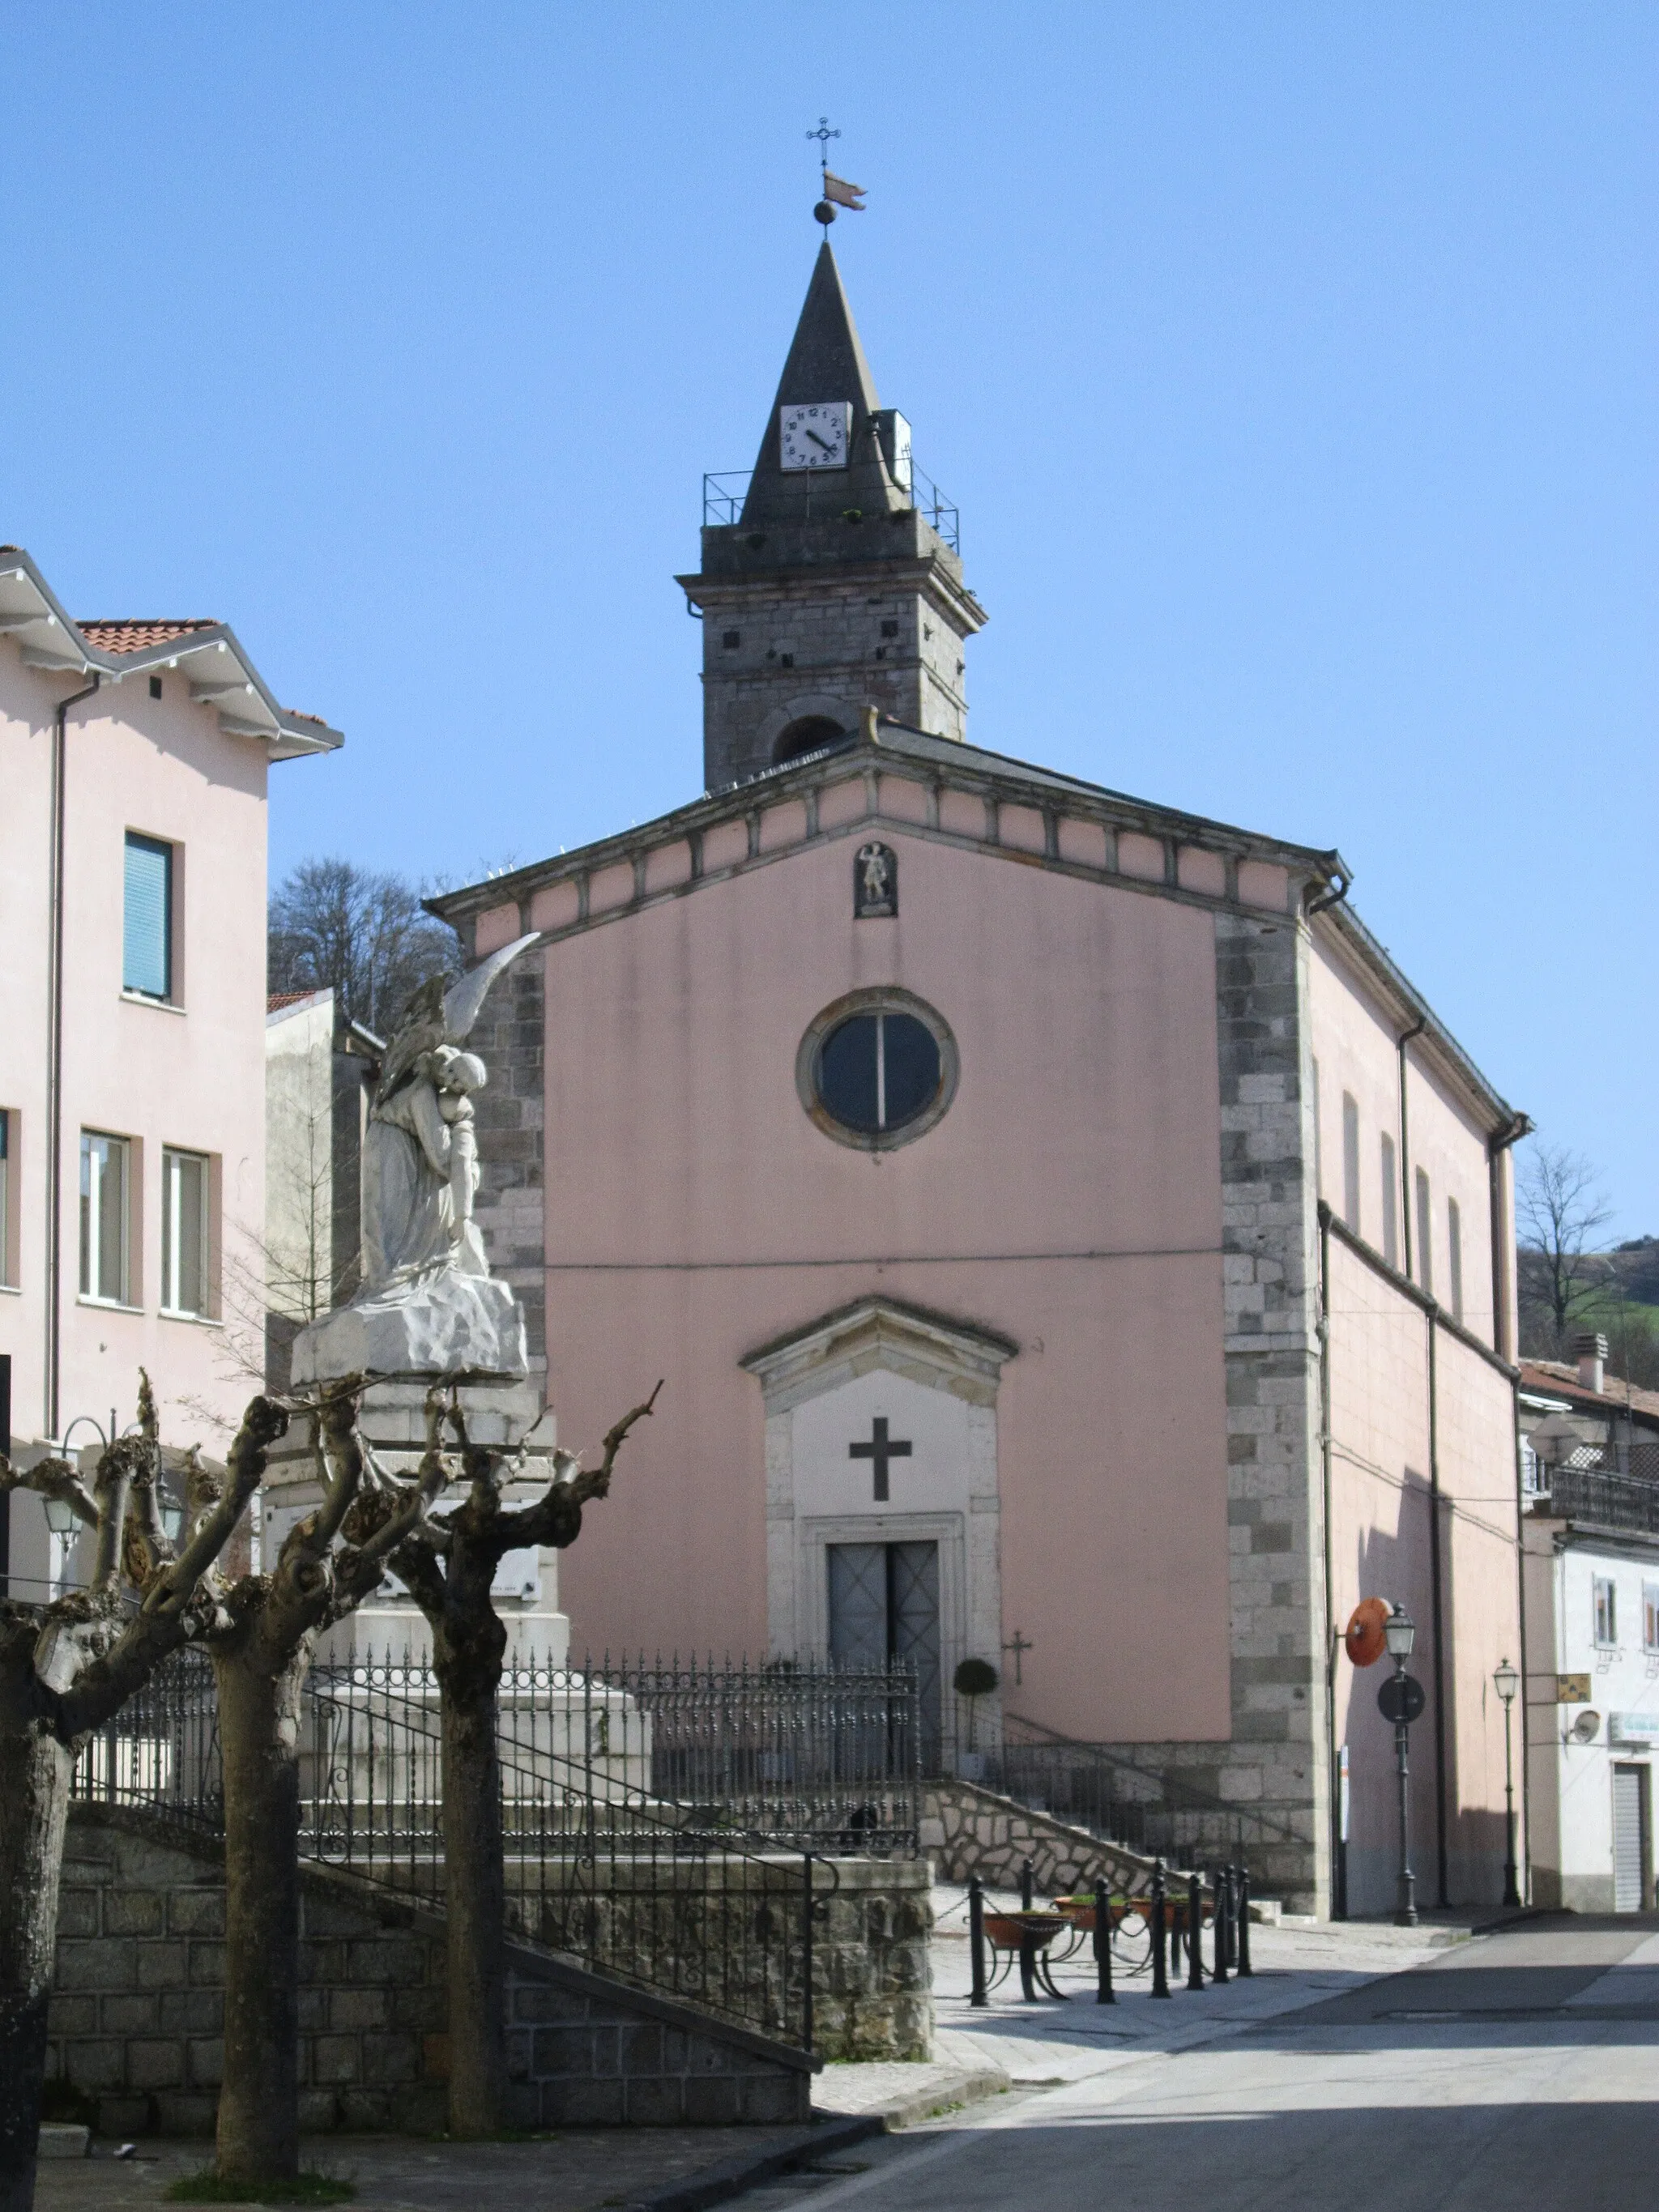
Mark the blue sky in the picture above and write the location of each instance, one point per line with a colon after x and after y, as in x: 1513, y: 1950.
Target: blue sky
x: 1293, y: 367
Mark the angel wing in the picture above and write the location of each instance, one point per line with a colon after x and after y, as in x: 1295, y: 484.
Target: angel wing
x: 435, y: 1016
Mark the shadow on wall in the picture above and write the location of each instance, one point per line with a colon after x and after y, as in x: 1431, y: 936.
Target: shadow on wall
x: 1398, y: 1568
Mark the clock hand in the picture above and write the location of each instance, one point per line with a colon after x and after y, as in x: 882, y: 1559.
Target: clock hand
x: 823, y: 442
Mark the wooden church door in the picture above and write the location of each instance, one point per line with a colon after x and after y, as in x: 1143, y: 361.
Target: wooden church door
x: 884, y: 1608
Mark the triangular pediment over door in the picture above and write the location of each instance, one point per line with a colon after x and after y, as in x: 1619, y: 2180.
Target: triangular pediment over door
x: 882, y: 1497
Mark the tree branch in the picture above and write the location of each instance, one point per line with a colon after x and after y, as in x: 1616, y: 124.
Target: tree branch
x: 546, y: 1521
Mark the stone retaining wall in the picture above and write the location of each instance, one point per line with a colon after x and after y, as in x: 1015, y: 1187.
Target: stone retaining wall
x: 137, y: 2015
x: 966, y: 1830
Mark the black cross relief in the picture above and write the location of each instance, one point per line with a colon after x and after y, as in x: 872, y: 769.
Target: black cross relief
x: 882, y: 1450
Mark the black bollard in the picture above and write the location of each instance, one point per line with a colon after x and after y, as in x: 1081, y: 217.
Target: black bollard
x: 977, y: 1938
x: 1223, y: 1888
x: 1245, y: 1965
x: 1160, y: 1934
x: 1025, y: 1890
x: 1103, y: 1944
x: 1194, y: 1927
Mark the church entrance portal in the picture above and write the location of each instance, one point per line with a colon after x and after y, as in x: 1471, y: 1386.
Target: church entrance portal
x: 884, y: 1609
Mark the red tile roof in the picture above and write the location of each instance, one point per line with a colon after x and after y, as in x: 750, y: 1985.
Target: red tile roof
x: 1554, y: 1378
x: 278, y: 999
x: 133, y: 636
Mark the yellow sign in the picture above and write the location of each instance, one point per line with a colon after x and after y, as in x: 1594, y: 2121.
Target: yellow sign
x: 1573, y: 1689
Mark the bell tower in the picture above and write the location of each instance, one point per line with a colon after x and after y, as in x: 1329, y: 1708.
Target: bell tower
x: 832, y: 582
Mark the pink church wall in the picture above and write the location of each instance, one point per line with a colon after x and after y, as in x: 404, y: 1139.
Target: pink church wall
x: 1070, y: 1199
x: 192, y: 1076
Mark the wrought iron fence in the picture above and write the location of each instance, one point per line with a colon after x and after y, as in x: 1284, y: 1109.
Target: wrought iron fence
x: 596, y: 1870
x: 824, y: 1759
x: 661, y: 1817
x: 1156, y: 1813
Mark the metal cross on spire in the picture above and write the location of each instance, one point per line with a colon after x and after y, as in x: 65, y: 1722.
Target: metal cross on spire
x: 823, y: 134
x: 837, y: 192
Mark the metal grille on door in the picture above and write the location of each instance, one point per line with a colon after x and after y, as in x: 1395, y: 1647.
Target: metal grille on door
x: 883, y: 1606
x: 1629, y: 1874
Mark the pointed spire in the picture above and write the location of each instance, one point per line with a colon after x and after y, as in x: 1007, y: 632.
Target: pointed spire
x: 826, y: 363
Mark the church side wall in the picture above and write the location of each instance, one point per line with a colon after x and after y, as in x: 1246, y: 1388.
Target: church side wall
x: 1386, y: 1457
x: 1070, y: 1199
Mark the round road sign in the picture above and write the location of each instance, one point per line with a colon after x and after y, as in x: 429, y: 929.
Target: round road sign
x: 1401, y: 1699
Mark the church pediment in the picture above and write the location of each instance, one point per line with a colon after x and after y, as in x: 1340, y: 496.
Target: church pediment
x: 880, y: 1333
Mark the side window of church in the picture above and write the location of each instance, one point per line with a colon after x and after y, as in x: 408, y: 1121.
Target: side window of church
x: 1390, y: 1202
x: 1350, y: 1162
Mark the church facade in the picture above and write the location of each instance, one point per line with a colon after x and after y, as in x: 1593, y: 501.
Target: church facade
x: 1065, y: 1238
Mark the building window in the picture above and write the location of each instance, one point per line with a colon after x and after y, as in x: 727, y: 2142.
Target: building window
x: 1455, y: 1257
x: 146, y: 954
x: 8, y: 1203
x: 1350, y: 1162
x: 1424, y: 1234
x: 1650, y: 1616
x: 105, y: 1163
x: 183, y: 1232
x: 876, y: 1069
x: 1390, y: 1202
x: 1606, y: 1609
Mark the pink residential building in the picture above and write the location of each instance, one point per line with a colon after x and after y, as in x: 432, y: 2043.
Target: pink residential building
x: 133, y: 760
x: 1067, y: 1239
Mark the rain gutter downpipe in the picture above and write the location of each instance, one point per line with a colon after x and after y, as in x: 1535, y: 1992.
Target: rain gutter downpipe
x: 55, y: 1055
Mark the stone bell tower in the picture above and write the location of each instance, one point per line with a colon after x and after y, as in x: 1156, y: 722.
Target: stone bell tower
x: 837, y: 583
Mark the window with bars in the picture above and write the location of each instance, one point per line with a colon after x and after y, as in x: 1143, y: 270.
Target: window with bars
x: 183, y: 1232
x: 147, y: 918
x: 105, y: 1185
x: 1606, y: 1609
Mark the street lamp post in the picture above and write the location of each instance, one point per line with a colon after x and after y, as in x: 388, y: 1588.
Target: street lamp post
x: 1507, y: 1680
x: 1400, y: 1633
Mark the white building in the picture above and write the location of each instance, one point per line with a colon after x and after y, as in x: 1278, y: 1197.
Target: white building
x: 1590, y: 1460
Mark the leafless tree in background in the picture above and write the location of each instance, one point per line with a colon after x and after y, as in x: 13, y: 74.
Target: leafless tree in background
x: 1560, y: 1208
x: 361, y: 934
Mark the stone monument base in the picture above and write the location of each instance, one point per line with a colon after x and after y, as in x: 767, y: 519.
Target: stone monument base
x: 443, y: 1323
x: 393, y: 1422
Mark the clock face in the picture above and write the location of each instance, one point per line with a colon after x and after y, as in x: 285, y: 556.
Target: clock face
x: 815, y: 437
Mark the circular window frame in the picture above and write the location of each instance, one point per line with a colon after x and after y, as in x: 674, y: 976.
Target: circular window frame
x: 878, y: 998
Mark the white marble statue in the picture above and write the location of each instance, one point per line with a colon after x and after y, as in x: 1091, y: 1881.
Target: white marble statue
x: 428, y: 1305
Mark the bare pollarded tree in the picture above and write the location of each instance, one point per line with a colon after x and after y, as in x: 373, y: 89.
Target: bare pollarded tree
x: 67, y: 1669
x: 449, y: 1565
x: 261, y: 1644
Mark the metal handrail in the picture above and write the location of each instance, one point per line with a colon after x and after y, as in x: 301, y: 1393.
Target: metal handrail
x: 724, y: 492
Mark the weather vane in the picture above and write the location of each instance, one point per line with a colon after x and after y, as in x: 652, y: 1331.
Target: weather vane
x: 837, y: 192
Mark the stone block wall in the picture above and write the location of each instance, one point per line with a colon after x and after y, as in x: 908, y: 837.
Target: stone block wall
x: 137, y: 2013
x: 873, y: 1919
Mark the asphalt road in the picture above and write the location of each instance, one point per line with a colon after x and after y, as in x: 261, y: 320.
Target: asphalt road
x: 1518, y: 2069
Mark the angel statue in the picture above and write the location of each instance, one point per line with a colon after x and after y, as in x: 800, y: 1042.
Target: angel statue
x: 428, y: 1303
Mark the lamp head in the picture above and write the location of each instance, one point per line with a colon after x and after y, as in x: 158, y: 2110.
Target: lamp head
x: 61, y: 1516
x: 1400, y: 1633
x: 1506, y: 1680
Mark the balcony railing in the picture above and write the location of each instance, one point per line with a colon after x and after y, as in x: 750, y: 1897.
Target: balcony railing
x: 1609, y: 1500
x: 723, y: 496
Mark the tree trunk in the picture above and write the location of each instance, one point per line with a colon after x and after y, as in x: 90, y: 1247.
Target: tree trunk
x: 34, y: 1784
x: 469, y: 1670
x: 258, y: 2132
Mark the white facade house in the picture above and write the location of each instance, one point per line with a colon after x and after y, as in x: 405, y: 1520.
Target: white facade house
x: 1591, y: 1455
